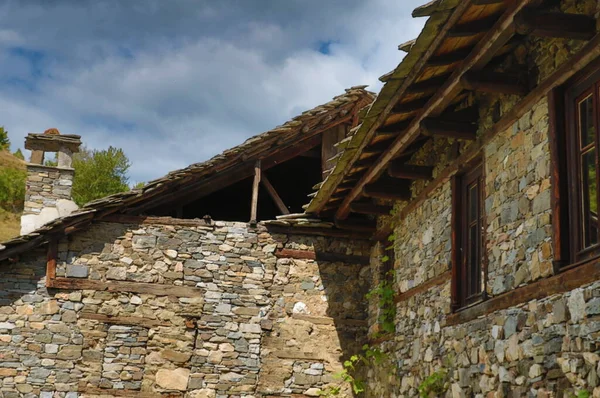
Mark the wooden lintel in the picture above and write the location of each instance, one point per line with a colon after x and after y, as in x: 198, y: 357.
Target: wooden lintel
x: 322, y: 256
x: 423, y: 287
x: 359, y: 225
x: 96, y: 391
x: 132, y: 287
x: 449, y: 129
x: 273, y: 193
x: 255, y: 184
x: 379, y: 190
x: 370, y: 208
x: 124, y: 320
x: 555, y: 25
x: 410, y: 172
x: 496, y: 83
x: 148, y: 220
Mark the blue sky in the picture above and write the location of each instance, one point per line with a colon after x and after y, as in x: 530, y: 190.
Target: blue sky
x: 176, y: 82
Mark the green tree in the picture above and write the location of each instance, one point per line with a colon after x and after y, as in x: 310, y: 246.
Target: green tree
x: 19, y: 154
x: 4, y: 141
x: 12, y: 188
x: 99, y: 173
x: 139, y: 185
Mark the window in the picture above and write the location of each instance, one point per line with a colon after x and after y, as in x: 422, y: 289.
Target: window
x: 468, y: 273
x: 582, y: 136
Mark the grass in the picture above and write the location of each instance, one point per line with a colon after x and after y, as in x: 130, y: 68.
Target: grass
x: 10, y: 223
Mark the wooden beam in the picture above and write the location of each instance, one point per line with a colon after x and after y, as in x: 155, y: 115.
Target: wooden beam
x: 410, y: 172
x: 496, y: 83
x: 387, y: 189
x: 423, y: 287
x: 150, y: 220
x: 132, y: 287
x: 473, y: 28
x: 358, y: 225
x: 429, y: 86
x: 495, y: 39
x: 449, y: 129
x: 450, y: 58
x: 555, y: 25
x: 410, y: 107
x: 51, y: 261
x: 274, y: 195
x: 370, y: 208
x: 328, y: 232
x: 124, y: 320
x: 322, y: 256
x: 377, y: 148
x: 579, y: 61
x: 255, y: 185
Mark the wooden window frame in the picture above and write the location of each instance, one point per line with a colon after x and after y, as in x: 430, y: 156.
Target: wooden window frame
x: 461, y: 261
x: 565, y: 169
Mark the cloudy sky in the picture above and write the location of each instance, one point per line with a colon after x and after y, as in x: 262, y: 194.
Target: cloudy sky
x: 175, y: 82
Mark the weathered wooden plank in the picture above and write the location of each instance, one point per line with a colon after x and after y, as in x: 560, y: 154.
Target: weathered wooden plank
x: 322, y: 256
x: 322, y: 320
x: 147, y: 220
x: 329, y: 232
x: 124, y: 320
x: 255, y: 185
x: 132, y: 287
x: 274, y: 195
x: 127, y: 393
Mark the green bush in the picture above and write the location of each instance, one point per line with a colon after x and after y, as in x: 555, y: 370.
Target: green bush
x: 12, y: 189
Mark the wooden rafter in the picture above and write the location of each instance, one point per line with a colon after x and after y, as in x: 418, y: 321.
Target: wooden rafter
x: 398, y: 169
x: 449, y: 129
x: 555, y: 24
x: 370, y: 208
x: 497, y: 83
x: 273, y: 193
x: 501, y: 32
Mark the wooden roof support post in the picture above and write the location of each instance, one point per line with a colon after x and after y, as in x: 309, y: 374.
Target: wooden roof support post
x: 51, y: 262
x: 274, y: 195
x: 255, y: 185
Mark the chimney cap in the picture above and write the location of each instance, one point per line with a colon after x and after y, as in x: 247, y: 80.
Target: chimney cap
x: 52, y: 142
x: 52, y: 131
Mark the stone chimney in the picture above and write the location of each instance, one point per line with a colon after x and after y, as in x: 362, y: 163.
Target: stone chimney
x: 48, y: 190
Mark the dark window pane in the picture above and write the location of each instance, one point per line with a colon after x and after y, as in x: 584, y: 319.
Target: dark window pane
x: 589, y: 198
x: 586, y: 121
x: 473, y: 205
x: 473, y: 261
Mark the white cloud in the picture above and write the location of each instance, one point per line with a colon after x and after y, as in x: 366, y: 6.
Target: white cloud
x: 174, y: 86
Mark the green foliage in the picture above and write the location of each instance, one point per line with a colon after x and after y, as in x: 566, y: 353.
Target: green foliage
x: 12, y: 188
x: 139, y: 185
x: 384, y: 291
x: 99, y: 173
x: 18, y: 154
x: 369, y: 356
x: 434, y: 385
x: 581, y: 394
x: 4, y: 141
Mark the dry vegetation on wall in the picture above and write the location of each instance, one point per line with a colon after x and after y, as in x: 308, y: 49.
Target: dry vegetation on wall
x: 12, y: 185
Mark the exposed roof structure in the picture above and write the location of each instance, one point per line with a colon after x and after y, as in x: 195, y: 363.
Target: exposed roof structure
x: 455, y: 55
x: 273, y: 147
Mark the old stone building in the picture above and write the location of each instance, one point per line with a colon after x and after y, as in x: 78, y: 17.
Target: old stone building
x: 479, y: 160
x: 463, y: 198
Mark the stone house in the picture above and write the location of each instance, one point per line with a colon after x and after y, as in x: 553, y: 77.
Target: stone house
x: 189, y: 286
x: 468, y: 187
x: 478, y: 161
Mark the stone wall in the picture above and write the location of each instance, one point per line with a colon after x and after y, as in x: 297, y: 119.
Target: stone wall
x: 172, y: 310
x: 47, y: 196
x: 541, y: 348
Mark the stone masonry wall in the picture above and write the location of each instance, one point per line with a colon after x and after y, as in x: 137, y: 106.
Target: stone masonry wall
x: 542, y: 348
x: 199, y: 311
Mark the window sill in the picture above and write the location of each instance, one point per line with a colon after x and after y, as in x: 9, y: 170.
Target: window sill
x: 575, y: 276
